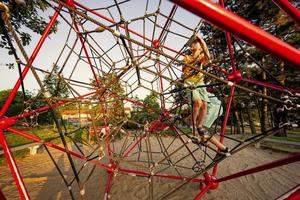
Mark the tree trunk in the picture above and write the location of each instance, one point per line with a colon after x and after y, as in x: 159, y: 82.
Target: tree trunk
x: 242, y: 121
x: 238, y: 122
x: 251, y: 123
x: 282, y: 117
x: 264, y: 111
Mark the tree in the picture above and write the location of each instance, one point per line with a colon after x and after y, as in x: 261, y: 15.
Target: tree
x: 56, y: 87
x: 269, y: 17
x: 149, y: 111
x: 17, y: 105
x: 110, y: 102
x: 28, y: 16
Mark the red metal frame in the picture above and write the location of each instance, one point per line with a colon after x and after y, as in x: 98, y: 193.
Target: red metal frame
x: 108, y: 167
x: 277, y: 163
x: 108, y: 185
x: 293, y: 12
x: 212, y: 12
x: 243, y: 29
x: 122, y: 26
x: 2, y: 197
x: 13, y: 167
x: 292, y: 194
x: 17, y: 176
x: 54, y: 146
x: 228, y: 39
x: 226, y: 116
x: 14, y: 91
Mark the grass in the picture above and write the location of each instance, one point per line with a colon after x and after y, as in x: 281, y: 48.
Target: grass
x: 45, y: 133
x: 294, y: 132
x: 291, y: 139
x: 42, y: 132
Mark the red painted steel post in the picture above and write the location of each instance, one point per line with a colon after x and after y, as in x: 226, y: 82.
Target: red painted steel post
x: 226, y: 116
x: 57, y: 147
x: 277, y: 163
x: 243, y: 29
x: 122, y: 26
x: 161, y: 87
x: 135, y: 172
x: 203, y: 191
x: 71, y: 3
x: 13, y: 167
x: 86, y: 54
x: 2, y: 197
x: 228, y: 39
x: 108, y: 185
x: 292, y: 194
x: 14, y: 91
x: 293, y: 12
x: 130, y: 148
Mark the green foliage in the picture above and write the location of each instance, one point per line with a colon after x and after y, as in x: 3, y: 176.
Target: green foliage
x: 27, y: 16
x: 150, y: 102
x: 110, y: 101
x: 130, y: 126
x: 266, y: 15
x: 150, y: 111
x: 54, y: 85
x: 56, y: 88
x: 16, y: 106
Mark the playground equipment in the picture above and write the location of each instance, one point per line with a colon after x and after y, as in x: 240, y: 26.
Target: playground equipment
x: 142, y: 62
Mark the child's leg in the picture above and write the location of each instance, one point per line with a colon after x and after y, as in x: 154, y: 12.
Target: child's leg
x: 202, y: 114
x: 216, y: 142
x: 197, y: 104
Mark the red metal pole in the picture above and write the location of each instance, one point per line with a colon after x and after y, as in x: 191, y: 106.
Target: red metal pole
x: 122, y: 26
x: 71, y: 2
x: 203, y: 191
x: 243, y: 29
x: 13, y: 167
x: 293, y: 12
x: 45, y: 108
x: 54, y: 146
x: 225, y: 122
x: 163, y: 106
x: 135, y: 172
x: 86, y: 54
x: 129, y: 171
x: 277, y: 163
x: 14, y: 91
x: 2, y: 197
x: 292, y: 194
x: 228, y: 39
x: 157, y: 44
x: 129, y: 149
x: 272, y: 86
x: 108, y: 185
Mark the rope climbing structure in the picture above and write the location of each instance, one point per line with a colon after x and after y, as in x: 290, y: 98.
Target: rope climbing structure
x: 119, y: 53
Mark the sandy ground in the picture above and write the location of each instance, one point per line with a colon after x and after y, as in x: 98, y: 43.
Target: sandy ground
x: 44, y: 182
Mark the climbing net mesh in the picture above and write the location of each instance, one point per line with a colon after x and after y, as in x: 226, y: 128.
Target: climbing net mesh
x: 112, y: 56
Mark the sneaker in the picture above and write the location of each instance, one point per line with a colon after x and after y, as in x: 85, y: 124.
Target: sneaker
x: 195, y: 139
x: 202, y: 131
x: 225, y: 152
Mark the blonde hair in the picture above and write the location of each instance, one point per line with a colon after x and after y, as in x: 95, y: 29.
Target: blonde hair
x: 203, y: 46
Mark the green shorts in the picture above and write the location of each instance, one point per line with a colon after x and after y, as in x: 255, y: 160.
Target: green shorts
x: 199, y: 93
x: 214, y: 110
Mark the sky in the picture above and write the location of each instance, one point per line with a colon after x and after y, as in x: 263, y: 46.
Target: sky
x: 54, y: 45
